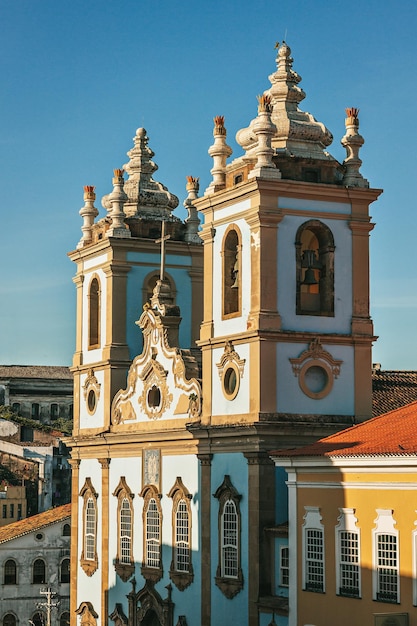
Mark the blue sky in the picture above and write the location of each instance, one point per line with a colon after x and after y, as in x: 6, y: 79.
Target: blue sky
x: 77, y: 79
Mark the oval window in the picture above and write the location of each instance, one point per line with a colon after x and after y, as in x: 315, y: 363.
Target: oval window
x: 91, y: 400
x: 154, y: 397
x: 230, y: 382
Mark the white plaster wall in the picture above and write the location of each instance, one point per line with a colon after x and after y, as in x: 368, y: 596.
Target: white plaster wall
x: 89, y: 587
x: 234, y: 324
x: 91, y: 356
x: 341, y: 322
x: 240, y: 404
x: 315, y: 206
x: 290, y: 398
x: 96, y: 420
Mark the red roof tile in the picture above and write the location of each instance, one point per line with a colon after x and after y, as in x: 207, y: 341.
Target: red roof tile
x: 36, y: 522
x: 394, y: 433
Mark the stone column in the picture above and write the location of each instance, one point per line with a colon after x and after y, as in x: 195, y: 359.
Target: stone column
x: 75, y: 488
x: 206, y: 573
x: 261, y: 514
x: 105, y: 514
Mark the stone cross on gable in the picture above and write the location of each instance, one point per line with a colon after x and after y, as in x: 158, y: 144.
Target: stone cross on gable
x: 162, y: 241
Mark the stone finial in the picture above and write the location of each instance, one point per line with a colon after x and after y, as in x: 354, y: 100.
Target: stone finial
x: 353, y: 142
x: 146, y: 197
x: 297, y: 132
x: 88, y: 212
x: 117, y: 199
x: 264, y: 130
x: 192, y: 222
x: 219, y: 151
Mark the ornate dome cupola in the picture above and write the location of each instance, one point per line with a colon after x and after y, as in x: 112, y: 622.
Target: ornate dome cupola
x: 146, y: 198
x: 299, y: 139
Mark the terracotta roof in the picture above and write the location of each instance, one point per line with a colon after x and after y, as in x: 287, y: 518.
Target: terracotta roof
x: 36, y: 522
x: 392, y: 389
x: 394, y: 433
x: 35, y: 371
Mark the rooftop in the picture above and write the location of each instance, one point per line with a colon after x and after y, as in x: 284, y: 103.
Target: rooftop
x: 394, y: 433
x: 392, y: 390
x: 36, y: 522
x: 35, y: 371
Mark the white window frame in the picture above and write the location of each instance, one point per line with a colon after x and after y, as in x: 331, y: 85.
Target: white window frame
x: 90, y: 530
x: 384, y: 526
x: 284, y: 570
x: 153, y: 535
x: 125, y: 527
x: 182, y: 537
x: 347, y: 524
x: 229, y: 548
x: 312, y: 523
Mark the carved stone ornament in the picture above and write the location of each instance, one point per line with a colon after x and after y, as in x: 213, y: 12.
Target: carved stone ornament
x: 162, y: 381
x: 91, y: 391
x: 316, y: 370
x: 87, y: 614
x: 230, y: 368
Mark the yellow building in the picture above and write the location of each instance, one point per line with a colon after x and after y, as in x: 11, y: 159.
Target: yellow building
x: 353, y: 524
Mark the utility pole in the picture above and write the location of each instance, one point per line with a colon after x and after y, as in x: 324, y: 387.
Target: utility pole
x: 48, y: 604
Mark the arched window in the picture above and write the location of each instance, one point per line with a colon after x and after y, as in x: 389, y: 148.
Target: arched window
x: 10, y: 572
x: 181, y: 570
x: 66, y: 531
x: 229, y: 576
x: 152, y: 522
x: 39, y: 572
x: 94, y: 314
x: 35, y: 411
x: 9, y: 620
x: 124, y: 563
x: 314, y: 246
x: 16, y: 407
x: 89, y: 558
x: 64, y: 620
x: 232, y: 273
x: 64, y: 571
x: 54, y: 410
x: 38, y: 619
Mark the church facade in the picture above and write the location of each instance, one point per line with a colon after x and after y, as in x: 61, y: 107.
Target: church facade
x: 181, y: 514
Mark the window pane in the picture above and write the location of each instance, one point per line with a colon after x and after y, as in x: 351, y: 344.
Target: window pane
x: 152, y: 535
x: 229, y: 540
x: 387, y: 571
x: 10, y: 572
x: 349, y: 563
x: 182, y: 559
x: 90, y: 530
x: 314, y: 560
x: 39, y: 571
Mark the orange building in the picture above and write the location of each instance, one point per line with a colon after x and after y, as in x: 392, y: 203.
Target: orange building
x: 353, y: 524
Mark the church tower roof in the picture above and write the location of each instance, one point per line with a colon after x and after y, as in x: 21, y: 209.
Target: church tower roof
x: 146, y: 198
x: 297, y: 132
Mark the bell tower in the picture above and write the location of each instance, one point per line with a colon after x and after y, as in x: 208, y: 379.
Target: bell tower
x: 286, y: 236
x: 117, y: 260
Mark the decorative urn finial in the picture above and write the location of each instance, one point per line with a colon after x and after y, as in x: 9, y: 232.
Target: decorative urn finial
x: 353, y: 142
x: 88, y: 212
x: 220, y: 151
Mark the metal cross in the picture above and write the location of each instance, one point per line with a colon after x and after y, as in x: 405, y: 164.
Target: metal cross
x: 162, y: 241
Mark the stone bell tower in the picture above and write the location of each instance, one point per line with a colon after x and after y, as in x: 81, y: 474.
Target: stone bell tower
x: 286, y: 236
x: 117, y: 262
x: 286, y: 335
